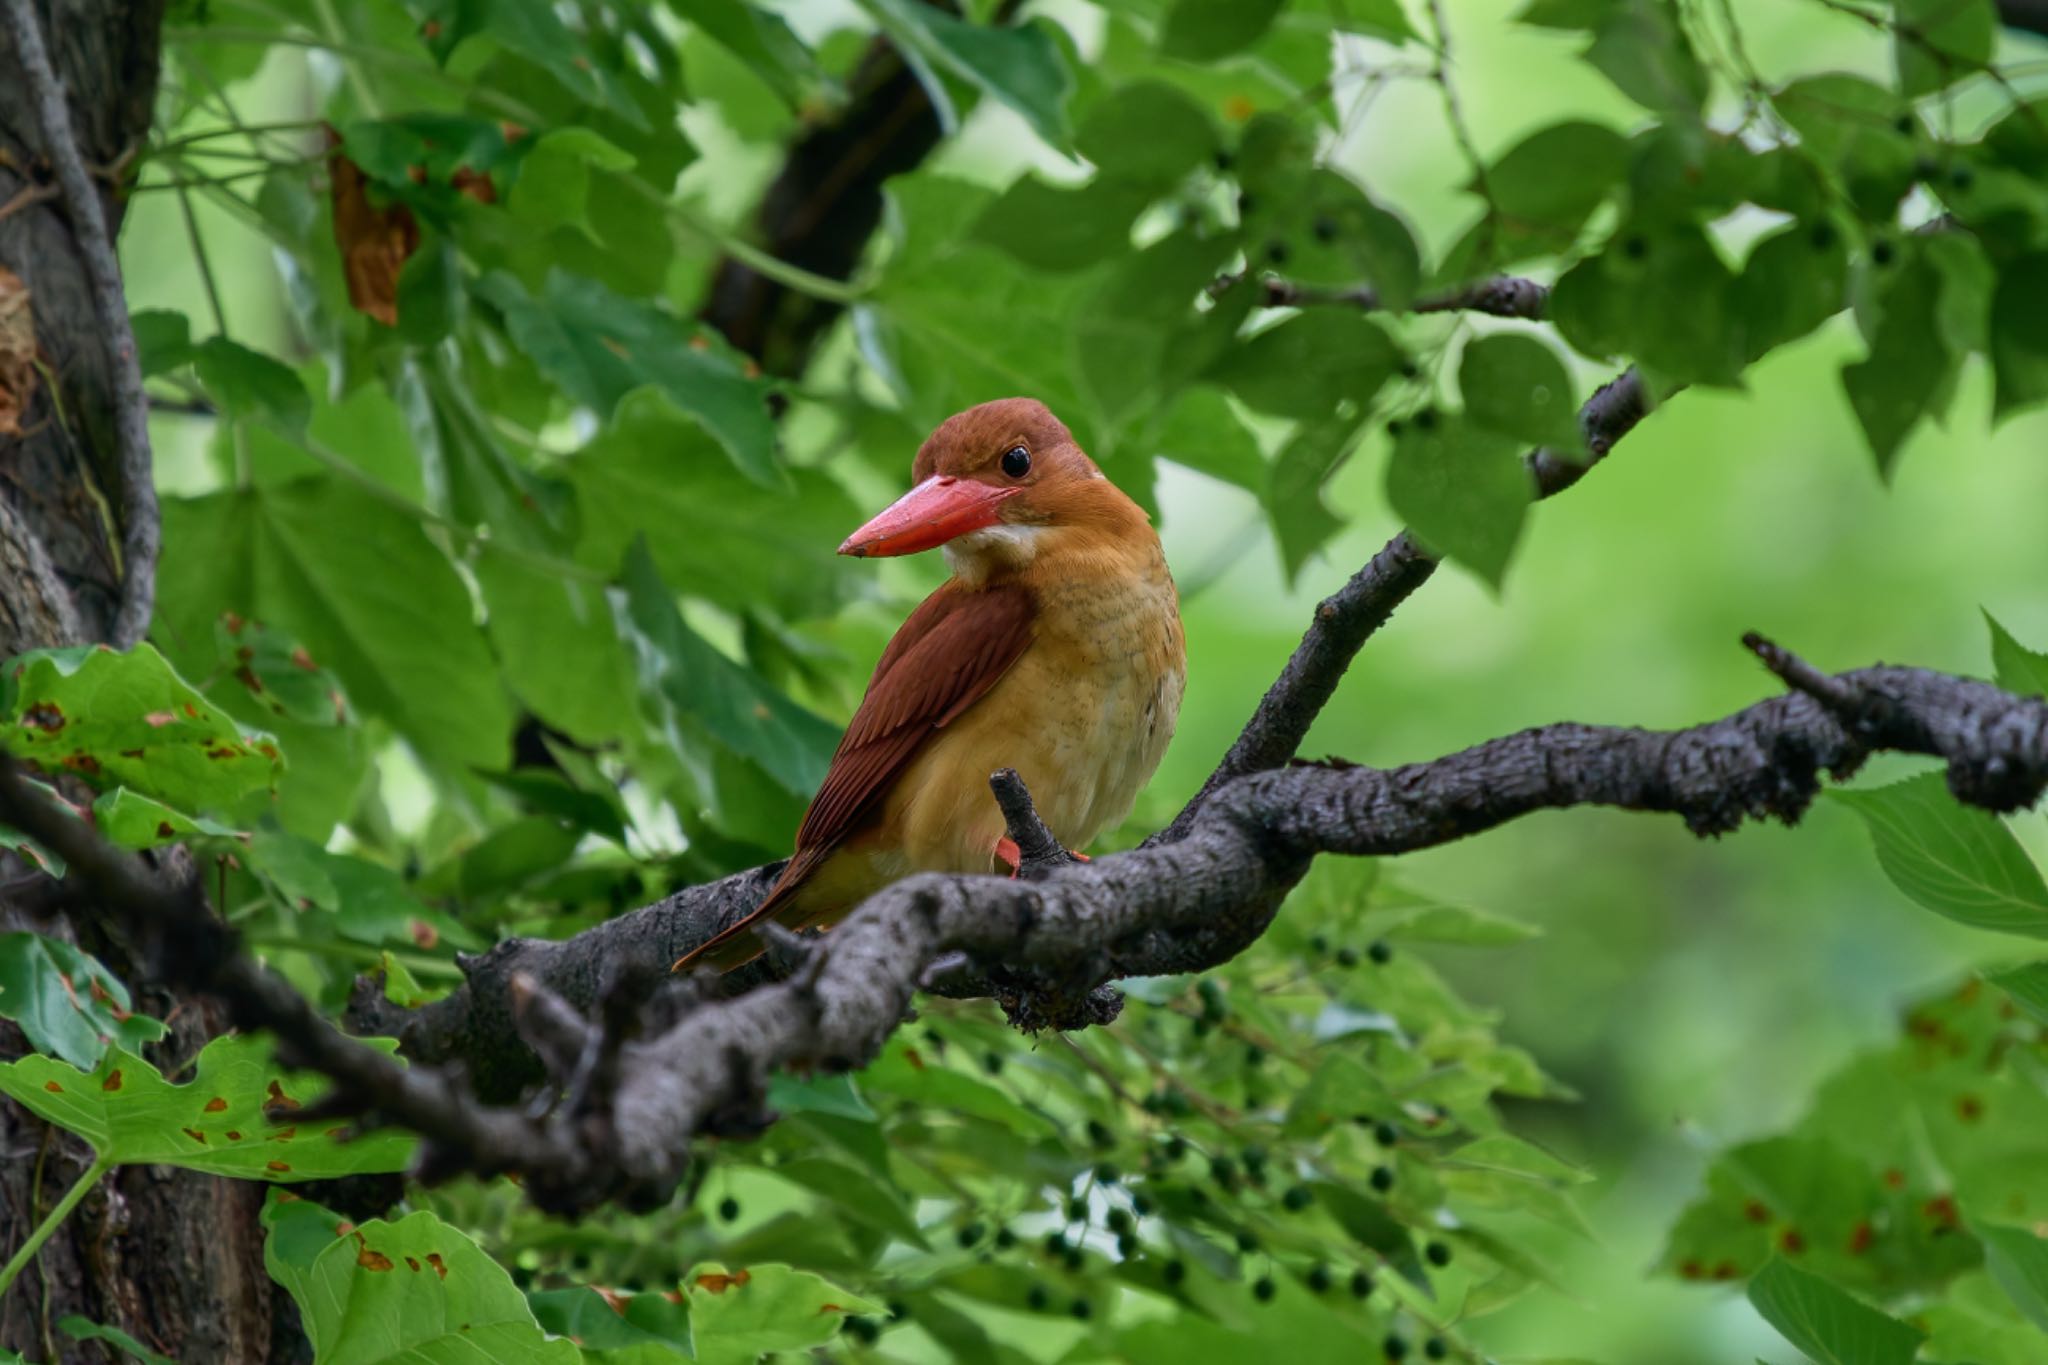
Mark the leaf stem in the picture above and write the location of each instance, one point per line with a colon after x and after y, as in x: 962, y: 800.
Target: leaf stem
x: 55, y: 1216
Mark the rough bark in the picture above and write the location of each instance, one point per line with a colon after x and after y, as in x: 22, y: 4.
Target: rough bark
x: 171, y: 1257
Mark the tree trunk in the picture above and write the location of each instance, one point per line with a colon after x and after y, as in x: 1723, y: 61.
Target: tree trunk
x: 173, y: 1258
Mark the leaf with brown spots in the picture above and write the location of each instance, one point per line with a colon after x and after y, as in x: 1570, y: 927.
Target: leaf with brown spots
x: 467, y: 1310
x: 215, y: 1123
x: 39, y: 989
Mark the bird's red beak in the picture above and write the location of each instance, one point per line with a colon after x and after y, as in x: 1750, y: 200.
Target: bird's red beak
x: 929, y: 515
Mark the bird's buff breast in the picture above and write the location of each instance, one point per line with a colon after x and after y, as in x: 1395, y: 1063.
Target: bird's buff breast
x: 1084, y: 717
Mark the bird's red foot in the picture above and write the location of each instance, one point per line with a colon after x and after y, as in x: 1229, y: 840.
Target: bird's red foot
x: 1079, y: 857
x: 1008, y: 854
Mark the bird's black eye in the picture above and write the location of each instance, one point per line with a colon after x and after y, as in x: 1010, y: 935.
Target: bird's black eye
x: 1016, y: 462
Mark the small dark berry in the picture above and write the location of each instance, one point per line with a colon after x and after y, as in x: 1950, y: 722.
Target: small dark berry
x: 1410, y: 370
x: 1118, y: 1220
x: 1099, y: 1134
x: 522, y: 1276
x: 1223, y: 1169
x: 1319, y: 1279
x: 1393, y: 429
x: 1055, y: 1243
x: 1435, y: 1349
x: 1075, y: 1259
x: 1246, y: 1242
x: 992, y: 1063
x: 1140, y: 1205
x: 1126, y: 1246
x: 1035, y: 1298
x: 1276, y: 252
x: 1081, y: 1309
x: 1823, y: 236
x: 1361, y: 1284
x: 899, y: 1311
x: 728, y: 1208
x: 1263, y: 1289
x: 1108, y: 1174
x: 1347, y: 956
x: 1005, y: 1239
x: 1077, y: 1209
x: 1379, y: 952
x: 1174, y: 1271
x: 1635, y: 246
x: 1245, y: 205
x: 1881, y: 253
x: 1437, y: 1254
x: 1325, y: 228
x: 1201, y: 1027
x: 580, y: 1261
x: 863, y: 1329
x: 1395, y: 1348
x: 1254, y: 1154
x: 1176, y: 1148
x: 1961, y: 177
x: 1224, y: 160
x: 1298, y: 1198
x: 1319, y: 945
x: 1925, y: 168
x: 1904, y: 125
x: 1198, y: 1196
x: 970, y: 1234
x: 1255, y: 1056
x: 1385, y: 1134
x: 1425, y: 420
x: 1383, y: 1178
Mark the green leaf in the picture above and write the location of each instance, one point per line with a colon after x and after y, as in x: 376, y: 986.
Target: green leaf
x: 1126, y: 333
x: 1307, y: 365
x: 737, y: 1316
x: 599, y: 347
x: 381, y: 605
x: 1958, y: 861
x: 1051, y: 228
x: 163, y: 340
x: 1558, y: 175
x: 2018, y: 669
x: 1794, y: 280
x: 1020, y: 66
x: 1904, y: 376
x: 129, y: 719
x: 612, y: 1321
x: 693, y: 684
x: 559, y: 643
x: 1827, y: 1323
x: 84, y: 1329
x: 1641, y: 46
x: 2019, y: 334
x: 2019, y: 1262
x: 1463, y: 491
x: 765, y: 42
x: 416, y: 1291
x: 1302, y: 522
x: 1200, y: 430
x: 1400, y: 913
x: 66, y: 1002
x: 1938, y: 42
x: 247, y: 384
x: 1204, y: 30
x: 554, y: 179
x: 370, y: 903
x: 132, y: 820
x: 1148, y: 132
x: 2028, y: 987
x: 533, y: 29
x: 1514, y: 385
x: 214, y: 1122
x: 278, y: 674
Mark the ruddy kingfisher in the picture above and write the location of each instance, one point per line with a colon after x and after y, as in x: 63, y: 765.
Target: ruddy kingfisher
x: 1055, y: 648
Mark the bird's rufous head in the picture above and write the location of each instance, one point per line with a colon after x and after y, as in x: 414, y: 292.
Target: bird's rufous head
x: 1005, y: 464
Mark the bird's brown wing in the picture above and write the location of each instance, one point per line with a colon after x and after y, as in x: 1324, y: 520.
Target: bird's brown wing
x: 946, y: 657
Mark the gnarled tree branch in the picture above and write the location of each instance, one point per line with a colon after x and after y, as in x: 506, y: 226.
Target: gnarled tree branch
x: 1181, y: 906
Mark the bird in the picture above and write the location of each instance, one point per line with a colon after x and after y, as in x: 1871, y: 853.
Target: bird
x: 1055, y: 648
